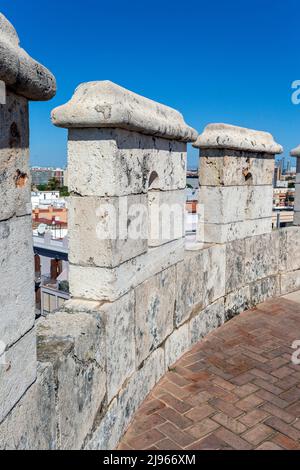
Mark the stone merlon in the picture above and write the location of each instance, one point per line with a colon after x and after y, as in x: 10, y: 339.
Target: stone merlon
x: 19, y: 71
x: 105, y: 104
x: 295, y: 152
x: 237, y: 138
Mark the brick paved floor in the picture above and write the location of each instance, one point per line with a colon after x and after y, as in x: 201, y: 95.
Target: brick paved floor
x: 237, y: 389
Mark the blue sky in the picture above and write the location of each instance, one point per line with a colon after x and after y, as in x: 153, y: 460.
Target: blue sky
x: 227, y: 61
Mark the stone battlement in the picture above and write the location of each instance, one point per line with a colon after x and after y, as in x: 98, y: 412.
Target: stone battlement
x: 141, y: 295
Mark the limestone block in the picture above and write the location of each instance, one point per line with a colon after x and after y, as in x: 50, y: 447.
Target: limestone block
x: 96, y: 283
x: 297, y: 218
x: 167, y: 160
x: 283, y: 249
x: 17, y: 372
x: 116, y: 162
x: 177, y: 344
x: 226, y: 136
x: 120, y: 342
x: 206, y: 321
x: 290, y: 282
x: 155, y: 301
x: 200, y: 281
x: 121, y: 410
x: 75, y: 345
x: 166, y: 216
x: 17, y: 310
x: 223, y: 205
x: 106, y: 232
x: 261, y: 256
x: 105, y: 104
x: 264, y: 289
x: 225, y: 233
x: 235, y: 265
x: 237, y: 302
x: 14, y: 157
x: 219, y: 167
x: 293, y: 248
x: 31, y: 424
x: 295, y: 152
x: 139, y: 386
x: 297, y: 197
x: 298, y: 168
x: 107, y: 435
x: 18, y: 70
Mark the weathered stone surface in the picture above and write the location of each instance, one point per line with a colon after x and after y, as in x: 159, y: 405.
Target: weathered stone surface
x: 105, y: 104
x: 82, y: 306
x: 116, y: 162
x: 17, y: 372
x: 237, y: 138
x: 155, y: 300
x: 110, y: 284
x: 139, y: 386
x: 297, y: 197
x: 219, y: 167
x: 75, y: 345
x: 290, y: 282
x: 297, y: 218
x: 17, y: 310
x: 14, y: 157
x: 177, y: 344
x: 107, y: 435
x: 261, y: 256
x: 295, y: 152
x: 293, y: 248
x: 18, y: 70
x: 223, y: 205
x: 264, y: 289
x: 121, y: 410
x: 298, y: 170
x: 31, y: 424
x: 107, y: 231
x: 120, y: 342
x: 200, y: 281
x: 206, y: 321
x: 166, y: 216
x: 235, y: 265
x: 282, y: 255
x: 224, y: 233
x: 237, y: 302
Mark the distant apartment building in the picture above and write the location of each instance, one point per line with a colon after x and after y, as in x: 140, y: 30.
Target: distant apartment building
x: 42, y: 175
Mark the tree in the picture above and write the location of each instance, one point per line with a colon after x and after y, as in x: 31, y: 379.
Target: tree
x: 53, y: 184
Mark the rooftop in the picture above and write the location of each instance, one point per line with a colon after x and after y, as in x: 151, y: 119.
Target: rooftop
x: 236, y: 389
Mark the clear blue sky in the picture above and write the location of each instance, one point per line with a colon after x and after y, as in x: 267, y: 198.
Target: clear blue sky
x: 227, y: 61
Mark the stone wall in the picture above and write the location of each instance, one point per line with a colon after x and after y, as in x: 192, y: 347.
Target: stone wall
x: 22, y: 79
x: 98, y: 361
x: 137, y: 303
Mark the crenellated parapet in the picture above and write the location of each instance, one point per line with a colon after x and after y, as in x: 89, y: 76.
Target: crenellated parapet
x: 22, y: 79
x: 236, y: 170
x: 127, y: 173
x: 21, y: 73
x: 141, y: 297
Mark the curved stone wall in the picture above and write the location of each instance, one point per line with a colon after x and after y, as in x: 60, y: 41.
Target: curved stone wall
x: 139, y: 304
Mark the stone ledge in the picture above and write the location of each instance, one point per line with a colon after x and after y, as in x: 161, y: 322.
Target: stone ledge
x: 295, y: 152
x: 105, y: 104
x: 237, y: 138
x: 19, y: 71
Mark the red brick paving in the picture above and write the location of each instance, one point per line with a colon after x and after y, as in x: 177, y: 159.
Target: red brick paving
x: 236, y: 389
